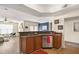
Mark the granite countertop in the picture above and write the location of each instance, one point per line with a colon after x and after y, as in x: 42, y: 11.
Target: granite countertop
x: 37, y: 35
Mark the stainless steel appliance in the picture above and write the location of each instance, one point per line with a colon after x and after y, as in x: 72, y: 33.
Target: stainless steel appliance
x: 47, y: 41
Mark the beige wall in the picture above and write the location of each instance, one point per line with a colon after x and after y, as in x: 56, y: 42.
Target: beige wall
x: 55, y: 26
x: 15, y: 27
x: 29, y: 23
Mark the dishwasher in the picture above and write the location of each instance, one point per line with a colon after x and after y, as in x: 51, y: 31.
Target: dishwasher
x: 47, y: 41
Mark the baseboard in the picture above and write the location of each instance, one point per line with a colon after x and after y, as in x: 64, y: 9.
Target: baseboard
x: 72, y: 44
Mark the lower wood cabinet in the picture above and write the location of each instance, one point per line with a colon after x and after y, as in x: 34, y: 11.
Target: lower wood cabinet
x: 30, y: 44
x: 57, y: 40
x: 38, y: 42
x: 23, y: 45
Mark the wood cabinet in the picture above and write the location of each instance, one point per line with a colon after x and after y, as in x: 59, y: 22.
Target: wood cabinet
x: 27, y: 44
x: 60, y: 40
x: 31, y: 41
x: 57, y: 40
x: 23, y: 44
x: 38, y: 42
x: 30, y: 44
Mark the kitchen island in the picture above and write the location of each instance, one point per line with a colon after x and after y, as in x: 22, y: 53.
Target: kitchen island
x: 31, y: 41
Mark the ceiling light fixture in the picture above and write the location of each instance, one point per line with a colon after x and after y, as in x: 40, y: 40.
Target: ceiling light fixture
x: 5, y: 19
x: 66, y: 5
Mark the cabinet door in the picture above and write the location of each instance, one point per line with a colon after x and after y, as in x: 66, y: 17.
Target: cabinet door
x: 54, y: 40
x: 23, y: 45
x: 38, y: 42
x: 29, y: 44
x: 57, y: 41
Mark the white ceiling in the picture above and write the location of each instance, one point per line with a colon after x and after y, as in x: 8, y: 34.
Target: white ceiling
x: 47, y: 8
x: 34, y: 12
x: 43, y: 10
x: 13, y: 14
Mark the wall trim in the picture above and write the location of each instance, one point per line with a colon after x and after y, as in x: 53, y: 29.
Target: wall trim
x: 74, y: 44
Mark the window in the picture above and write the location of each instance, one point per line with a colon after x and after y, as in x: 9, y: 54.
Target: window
x: 6, y: 28
x: 33, y: 28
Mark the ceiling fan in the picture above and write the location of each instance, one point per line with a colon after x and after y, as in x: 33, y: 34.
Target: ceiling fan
x: 65, y: 5
x: 5, y: 19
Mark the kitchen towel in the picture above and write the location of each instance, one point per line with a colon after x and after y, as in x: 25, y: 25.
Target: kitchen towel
x: 48, y: 39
